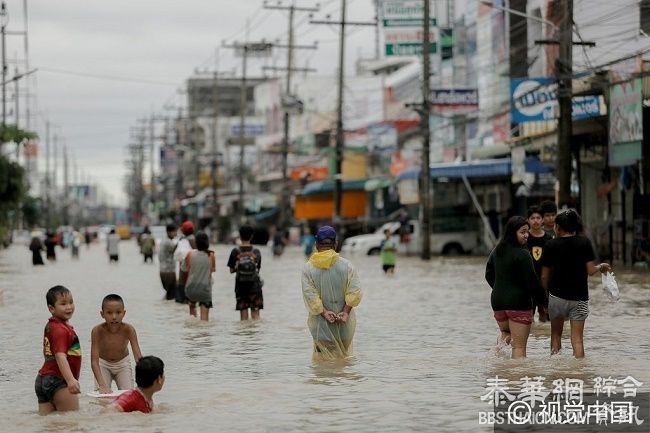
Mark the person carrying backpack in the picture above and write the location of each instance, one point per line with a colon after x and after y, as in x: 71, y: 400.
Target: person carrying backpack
x: 245, y: 262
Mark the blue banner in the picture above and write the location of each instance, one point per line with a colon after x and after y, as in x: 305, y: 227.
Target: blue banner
x: 535, y: 99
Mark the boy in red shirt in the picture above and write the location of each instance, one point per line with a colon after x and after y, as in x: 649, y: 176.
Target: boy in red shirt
x: 150, y: 377
x: 57, y: 382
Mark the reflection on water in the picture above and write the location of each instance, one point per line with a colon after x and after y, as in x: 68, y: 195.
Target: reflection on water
x: 424, y: 347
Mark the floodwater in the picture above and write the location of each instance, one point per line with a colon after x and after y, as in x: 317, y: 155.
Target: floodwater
x: 423, y: 347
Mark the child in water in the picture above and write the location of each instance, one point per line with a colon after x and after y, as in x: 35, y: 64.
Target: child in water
x: 109, y: 353
x: 57, y: 382
x: 150, y: 377
x: 388, y: 253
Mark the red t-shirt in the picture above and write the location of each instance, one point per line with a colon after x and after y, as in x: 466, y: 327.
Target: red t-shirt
x: 59, y: 337
x: 134, y: 401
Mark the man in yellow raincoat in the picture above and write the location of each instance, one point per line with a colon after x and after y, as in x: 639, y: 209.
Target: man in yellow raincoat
x: 331, y: 289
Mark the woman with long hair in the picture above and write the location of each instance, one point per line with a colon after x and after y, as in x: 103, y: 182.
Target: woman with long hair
x: 568, y: 261
x: 511, y: 274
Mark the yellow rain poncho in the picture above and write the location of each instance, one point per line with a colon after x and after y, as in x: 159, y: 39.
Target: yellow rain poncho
x: 330, y: 282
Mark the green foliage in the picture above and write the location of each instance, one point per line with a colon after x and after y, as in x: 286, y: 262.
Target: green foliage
x: 11, y: 133
x: 11, y: 183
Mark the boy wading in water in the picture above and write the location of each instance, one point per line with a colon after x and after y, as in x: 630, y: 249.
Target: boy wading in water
x: 388, y: 254
x: 246, y: 263
x: 537, y: 239
x: 330, y: 289
x: 109, y: 353
x: 57, y: 382
x: 150, y: 377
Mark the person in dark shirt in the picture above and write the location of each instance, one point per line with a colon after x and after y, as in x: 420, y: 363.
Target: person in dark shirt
x: 537, y: 239
x: 248, y: 284
x: 548, y: 209
x: 567, y: 262
x: 511, y: 274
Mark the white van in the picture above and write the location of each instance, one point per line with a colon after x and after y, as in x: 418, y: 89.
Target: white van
x: 448, y: 243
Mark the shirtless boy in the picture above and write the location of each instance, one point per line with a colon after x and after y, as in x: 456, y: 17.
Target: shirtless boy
x: 109, y: 353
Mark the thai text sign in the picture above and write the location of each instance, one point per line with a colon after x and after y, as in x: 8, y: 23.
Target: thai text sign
x: 535, y: 99
x: 454, y: 98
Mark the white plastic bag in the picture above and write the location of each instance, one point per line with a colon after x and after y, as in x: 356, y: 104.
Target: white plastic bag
x: 610, y: 286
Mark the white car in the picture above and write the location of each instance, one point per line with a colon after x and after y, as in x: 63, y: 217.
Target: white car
x: 452, y: 243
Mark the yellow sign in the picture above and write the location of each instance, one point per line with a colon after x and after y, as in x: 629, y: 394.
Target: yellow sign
x: 537, y: 253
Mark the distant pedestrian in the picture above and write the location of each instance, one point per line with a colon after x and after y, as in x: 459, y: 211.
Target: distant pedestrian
x: 245, y: 262
x: 548, y: 209
x: 112, y: 246
x: 388, y: 252
x: 147, y: 245
x: 511, y: 274
x: 307, y: 241
x: 567, y: 263
x: 87, y: 237
x: 167, y: 263
x: 186, y: 244
x: 36, y: 246
x: 50, y: 247
x: 537, y: 239
x: 199, y: 265
x: 279, y: 242
x: 330, y: 289
x: 75, y: 244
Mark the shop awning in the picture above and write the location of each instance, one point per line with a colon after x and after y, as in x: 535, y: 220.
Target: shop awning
x: 481, y: 168
x: 324, y: 186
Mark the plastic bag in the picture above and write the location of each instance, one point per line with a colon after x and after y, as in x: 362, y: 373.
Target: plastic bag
x: 610, y: 286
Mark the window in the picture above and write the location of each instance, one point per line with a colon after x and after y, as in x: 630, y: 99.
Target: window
x: 644, y: 24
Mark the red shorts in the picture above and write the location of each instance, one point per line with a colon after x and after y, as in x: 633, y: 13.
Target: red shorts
x: 519, y: 316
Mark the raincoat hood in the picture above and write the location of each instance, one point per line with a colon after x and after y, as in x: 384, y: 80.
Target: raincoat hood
x: 324, y: 259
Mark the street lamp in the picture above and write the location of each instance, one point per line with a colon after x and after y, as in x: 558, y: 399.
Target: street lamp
x: 4, y: 20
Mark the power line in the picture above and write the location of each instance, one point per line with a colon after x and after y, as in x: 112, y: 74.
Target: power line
x: 105, y: 77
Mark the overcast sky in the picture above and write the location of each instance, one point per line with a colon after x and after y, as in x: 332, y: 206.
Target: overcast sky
x: 161, y: 41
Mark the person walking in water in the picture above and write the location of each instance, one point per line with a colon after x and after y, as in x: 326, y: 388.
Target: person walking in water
x: 112, y: 246
x: 36, y: 246
x: 245, y: 262
x: 147, y: 245
x: 537, y: 239
x: 567, y: 263
x: 199, y: 265
x: 50, y: 247
x: 307, y: 241
x: 167, y: 263
x: 511, y: 274
x: 186, y: 244
x: 330, y: 289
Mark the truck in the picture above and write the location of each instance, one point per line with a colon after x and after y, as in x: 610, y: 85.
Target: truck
x: 443, y: 242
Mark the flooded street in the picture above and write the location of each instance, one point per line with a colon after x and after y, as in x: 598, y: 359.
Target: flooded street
x: 423, y: 347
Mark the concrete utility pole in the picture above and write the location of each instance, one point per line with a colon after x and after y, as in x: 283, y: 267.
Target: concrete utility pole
x: 66, y: 214
x: 284, y: 202
x: 425, y: 178
x: 4, y: 20
x: 215, y: 156
x: 47, y: 175
x: 340, y: 143
x: 564, y: 71
x: 152, y: 186
x: 257, y: 49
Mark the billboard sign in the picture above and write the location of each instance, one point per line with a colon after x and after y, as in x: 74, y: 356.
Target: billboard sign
x: 405, y: 13
x: 535, y: 99
x: 625, y: 123
x: 452, y: 98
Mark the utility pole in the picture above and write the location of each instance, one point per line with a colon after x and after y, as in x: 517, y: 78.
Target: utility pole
x: 257, y: 49
x: 215, y: 149
x: 4, y: 20
x: 564, y: 71
x: 66, y: 215
x: 152, y: 186
x: 340, y: 144
x: 284, y: 202
x: 47, y: 175
x: 425, y: 178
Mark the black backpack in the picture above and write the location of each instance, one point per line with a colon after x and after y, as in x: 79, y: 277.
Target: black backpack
x: 246, y: 266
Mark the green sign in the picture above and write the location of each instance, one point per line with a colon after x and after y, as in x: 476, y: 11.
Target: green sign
x: 625, y: 123
x: 406, y: 22
x: 409, y: 49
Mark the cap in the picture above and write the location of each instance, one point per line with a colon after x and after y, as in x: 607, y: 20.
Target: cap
x: 187, y: 227
x: 325, y: 233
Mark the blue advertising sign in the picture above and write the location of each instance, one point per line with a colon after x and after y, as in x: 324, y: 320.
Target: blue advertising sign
x: 535, y: 99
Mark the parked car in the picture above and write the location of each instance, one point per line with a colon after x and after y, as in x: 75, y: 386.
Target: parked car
x: 445, y: 243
